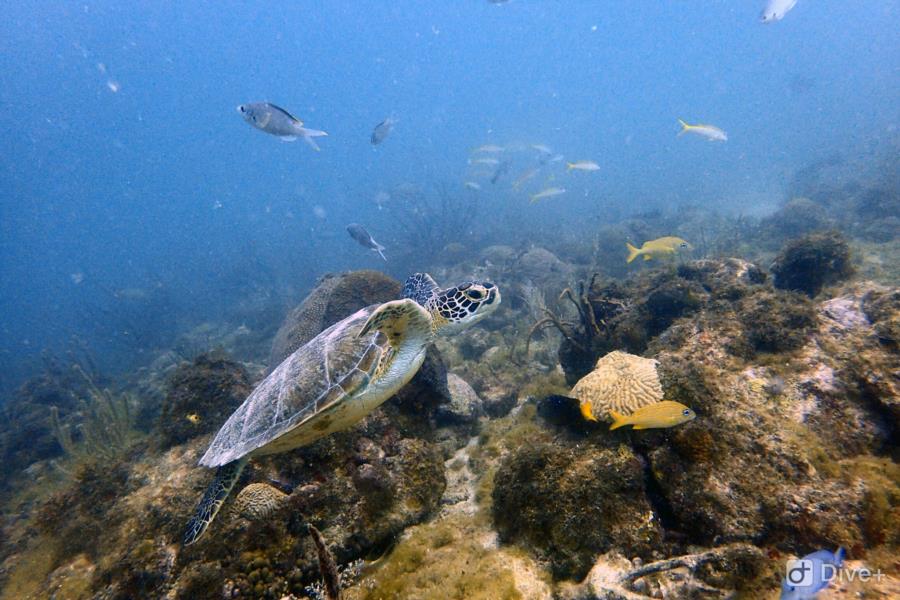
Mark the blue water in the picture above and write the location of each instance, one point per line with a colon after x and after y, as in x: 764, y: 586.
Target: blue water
x: 125, y: 165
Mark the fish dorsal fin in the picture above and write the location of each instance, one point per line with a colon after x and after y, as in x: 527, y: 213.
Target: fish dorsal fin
x: 419, y: 287
x: 287, y: 114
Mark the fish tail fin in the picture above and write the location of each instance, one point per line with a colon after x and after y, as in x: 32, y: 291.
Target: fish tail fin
x: 684, y: 127
x: 839, y: 555
x: 378, y: 249
x: 632, y: 252
x: 314, y: 133
x: 618, y: 420
x: 570, y: 166
x: 309, y: 134
x: 648, y: 257
x: 586, y: 411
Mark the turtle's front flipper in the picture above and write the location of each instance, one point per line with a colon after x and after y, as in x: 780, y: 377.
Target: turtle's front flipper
x: 213, y: 498
x: 399, y: 320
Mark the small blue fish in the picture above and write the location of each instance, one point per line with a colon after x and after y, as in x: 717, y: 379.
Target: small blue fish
x: 811, y: 574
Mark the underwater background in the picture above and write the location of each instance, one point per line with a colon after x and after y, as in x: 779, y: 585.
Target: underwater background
x: 157, y: 256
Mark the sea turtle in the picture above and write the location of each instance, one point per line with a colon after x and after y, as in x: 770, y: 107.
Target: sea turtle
x: 336, y: 379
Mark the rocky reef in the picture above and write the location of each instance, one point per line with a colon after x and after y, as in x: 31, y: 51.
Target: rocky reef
x: 481, y: 479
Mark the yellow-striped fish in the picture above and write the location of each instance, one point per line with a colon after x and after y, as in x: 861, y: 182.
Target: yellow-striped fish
x: 655, y: 416
x: 710, y: 132
x: 548, y: 193
x: 488, y: 148
x: 583, y: 165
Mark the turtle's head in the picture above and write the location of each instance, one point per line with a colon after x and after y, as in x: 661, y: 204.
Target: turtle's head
x: 458, y: 307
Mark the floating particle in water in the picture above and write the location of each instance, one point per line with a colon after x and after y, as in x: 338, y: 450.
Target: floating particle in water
x: 77, y: 277
x: 114, y: 86
x: 319, y: 211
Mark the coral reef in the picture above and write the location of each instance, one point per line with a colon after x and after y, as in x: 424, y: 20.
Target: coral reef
x: 810, y: 263
x: 627, y: 316
x: 481, y: 479
x: 334, y: 297
x: 202, y: 394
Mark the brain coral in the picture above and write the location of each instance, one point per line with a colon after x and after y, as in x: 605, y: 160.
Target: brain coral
x: 621, y: 382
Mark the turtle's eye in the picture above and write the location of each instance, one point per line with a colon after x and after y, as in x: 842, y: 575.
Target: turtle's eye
x: 475, y: 294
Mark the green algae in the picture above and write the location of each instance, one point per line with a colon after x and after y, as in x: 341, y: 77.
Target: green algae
x: 34, y: 564
x: 440, y: 561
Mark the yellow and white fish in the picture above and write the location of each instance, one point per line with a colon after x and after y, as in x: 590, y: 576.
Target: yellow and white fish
x: 488, y: 148
x: 525, y: 176
x: 710, y: 132
x: 658, y: 248
x: 548, y: 193
x: 583, y: 165
x: 655, y: 416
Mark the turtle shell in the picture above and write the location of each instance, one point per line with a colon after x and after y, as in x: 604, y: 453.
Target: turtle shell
x: 328, y: 369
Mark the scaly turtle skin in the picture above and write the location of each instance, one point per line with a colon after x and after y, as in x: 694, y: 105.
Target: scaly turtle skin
x: 336, y: 379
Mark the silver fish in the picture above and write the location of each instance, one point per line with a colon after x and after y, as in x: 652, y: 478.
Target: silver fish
x: 382, y: 130
x: 278, y: 122
x: 710, y: 132
x: 776, y: 9
x: 359, y: 233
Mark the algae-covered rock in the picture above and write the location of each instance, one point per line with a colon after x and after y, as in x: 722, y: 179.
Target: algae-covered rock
x: 26, y: 426
x: 542, y: 267
x: 761, y: 462
x: 464, y: 406
x: 202, y: 395
x: 628, y: 315
x: 810, y: 263
x: 798, y: 217
x: 334, y: 298
x: 729, y: 571
x: 775, y: 321
x: 571, y: 503
x: 882, y: 308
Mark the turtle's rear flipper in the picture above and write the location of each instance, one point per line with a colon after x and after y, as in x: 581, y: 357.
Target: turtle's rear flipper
x: 213, y: 498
